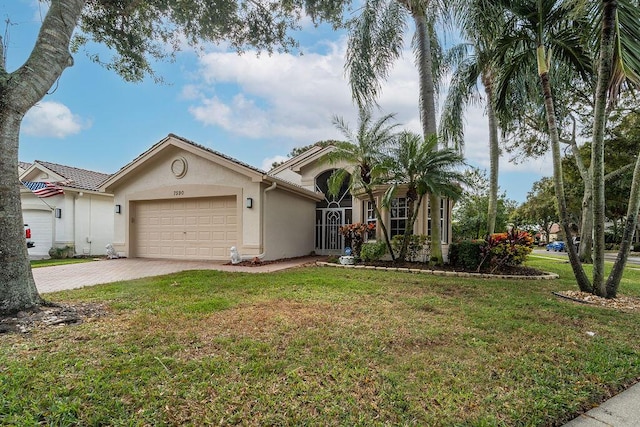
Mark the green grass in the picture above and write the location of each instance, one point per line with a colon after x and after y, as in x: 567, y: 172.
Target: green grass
x: 50, y: 262
x: 323, y: 346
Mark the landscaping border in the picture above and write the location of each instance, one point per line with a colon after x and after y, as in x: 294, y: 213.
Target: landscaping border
x: 546, y: 276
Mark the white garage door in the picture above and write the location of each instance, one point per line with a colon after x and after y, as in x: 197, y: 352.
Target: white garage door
x: 41, y: 225
x: 202, y: 228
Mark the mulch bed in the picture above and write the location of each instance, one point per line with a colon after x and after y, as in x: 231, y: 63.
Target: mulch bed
x: 504, y: 270
x: 51, y: 315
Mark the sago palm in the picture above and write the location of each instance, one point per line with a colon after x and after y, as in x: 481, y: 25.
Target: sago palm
x: 420, y: 168
x: 366, y: 151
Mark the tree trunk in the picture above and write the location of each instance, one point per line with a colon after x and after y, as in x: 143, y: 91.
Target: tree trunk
x: 613, y: 282
x: 585, y: 250
x: 607, y: 37
x: 385, y: 233
x: 428, y: 118
x: 19, y: 91
x: 17, y: 288
x: 578, y: 271
x: 494, y: 158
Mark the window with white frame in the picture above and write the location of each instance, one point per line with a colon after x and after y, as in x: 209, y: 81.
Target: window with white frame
x: 398, y: 216
x: 444, y: 223
x: 444, y: 220
x: 370, y: 217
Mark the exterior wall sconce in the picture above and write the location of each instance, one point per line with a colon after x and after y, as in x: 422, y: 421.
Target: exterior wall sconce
x: 58, y: 213
x: 249, y: 202
x: 118, y: 209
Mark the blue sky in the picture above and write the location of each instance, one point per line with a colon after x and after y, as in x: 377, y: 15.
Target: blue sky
x: 255, y: 109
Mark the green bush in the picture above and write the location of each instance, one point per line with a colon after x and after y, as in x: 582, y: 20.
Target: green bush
x: 497, y: 250
x: 417, y: 250
x: 61, y: 252
x: 466, y: 254
x: 372, y: 251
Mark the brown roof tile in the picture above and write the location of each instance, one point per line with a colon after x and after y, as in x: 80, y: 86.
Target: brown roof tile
x: 78, y: 178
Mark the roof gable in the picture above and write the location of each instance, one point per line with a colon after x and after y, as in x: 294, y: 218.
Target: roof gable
x: 67, y: 176
x: 172, y: 140
x: 185, y: 144
x: 296, y: 163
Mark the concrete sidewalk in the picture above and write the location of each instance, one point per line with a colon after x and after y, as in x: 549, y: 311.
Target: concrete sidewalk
x: 73, y: 276
x: 622, y: 410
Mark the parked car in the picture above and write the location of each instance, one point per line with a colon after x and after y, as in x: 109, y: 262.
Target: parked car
x: 27, y: 235
x: 557, y: 246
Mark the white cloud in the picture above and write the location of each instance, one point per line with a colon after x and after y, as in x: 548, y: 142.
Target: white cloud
x: 292, y: 98
x: 52, y: 119
x: 266, y: 163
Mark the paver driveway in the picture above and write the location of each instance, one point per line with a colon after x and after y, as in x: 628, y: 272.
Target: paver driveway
x: 72, y: 276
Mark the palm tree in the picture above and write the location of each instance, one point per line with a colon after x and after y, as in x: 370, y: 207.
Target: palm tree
x: 534, y: 29
x: 375, y: 43
x: 472, y: 62
x: 366, y: 151
x: 418, y: 167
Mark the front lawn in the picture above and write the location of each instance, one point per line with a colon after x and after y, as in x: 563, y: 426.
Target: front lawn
x: 323, y: 346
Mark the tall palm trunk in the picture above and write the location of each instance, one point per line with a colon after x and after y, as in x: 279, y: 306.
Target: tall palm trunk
x: 607, y: 46
x: 613, y: 282
x: 428, y: 118
x: 543, y: 72
x: 385, y: 233
x: 494, y: 155
x: 585, y: 251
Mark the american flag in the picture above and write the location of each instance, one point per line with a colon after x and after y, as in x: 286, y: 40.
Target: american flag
x: 43, y: 189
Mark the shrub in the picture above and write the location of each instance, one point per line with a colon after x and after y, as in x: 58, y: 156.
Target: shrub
x: 497, y: 250
x: 354, y: 235
x: 61, y: 252
x: 466, y: 254
x: 372, y: 251
x: 418, y: 248
x: 505, y: 249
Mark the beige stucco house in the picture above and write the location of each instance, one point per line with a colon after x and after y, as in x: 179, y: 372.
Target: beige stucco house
x: 81, y: 217
x: 181, y: 200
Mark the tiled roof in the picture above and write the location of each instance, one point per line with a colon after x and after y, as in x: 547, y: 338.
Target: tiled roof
x: 24, y: 165
x: 217, y: 153
x: 78, y: 178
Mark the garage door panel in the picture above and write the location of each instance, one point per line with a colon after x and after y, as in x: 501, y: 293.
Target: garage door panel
x: 41, y: 224
x: 188, y: 229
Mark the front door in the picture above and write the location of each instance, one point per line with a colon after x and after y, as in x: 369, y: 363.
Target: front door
x: 331, y: 213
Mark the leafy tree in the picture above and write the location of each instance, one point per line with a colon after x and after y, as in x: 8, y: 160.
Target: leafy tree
x: 539, y: 208
x: 417, y: 166
x: 470, y: 211
x: 137, y: 33
x: 366, y: 151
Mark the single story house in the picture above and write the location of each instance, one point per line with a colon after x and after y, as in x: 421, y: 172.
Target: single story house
x: 181, y: 200
x: 78, y: 215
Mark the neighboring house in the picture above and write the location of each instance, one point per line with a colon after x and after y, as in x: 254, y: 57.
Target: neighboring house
x: 81, y: 217
x: 311, y: 172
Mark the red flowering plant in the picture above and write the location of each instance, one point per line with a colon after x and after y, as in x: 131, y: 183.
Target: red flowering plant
x: 355, y: 234
x: 505, y: 249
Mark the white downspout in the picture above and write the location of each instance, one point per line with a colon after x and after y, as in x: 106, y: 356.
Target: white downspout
x: 262, y: 227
